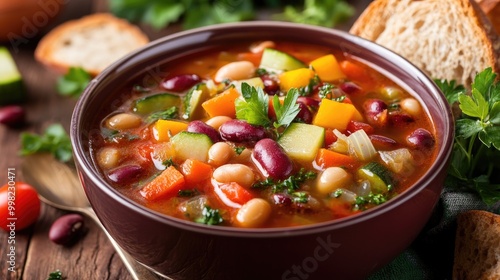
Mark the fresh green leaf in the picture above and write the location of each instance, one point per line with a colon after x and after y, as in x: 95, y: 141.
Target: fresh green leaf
x: 210, y: 216
x: 466, y: 128
x: 450, y: 89
x: 495, y: 113
x: 55, y: 275
x: 55, y: 140
x: 74, y: 82
x: 254, y: 109
x: 161, y: 14
x: 483, y: 81
x: 490, y: 193
x: 287, y: 112
x: 324, y: 13
x: 492, y: 134
x: 469, y: 106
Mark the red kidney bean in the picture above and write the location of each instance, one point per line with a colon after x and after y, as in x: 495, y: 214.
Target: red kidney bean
x: 67, y: 229
x: 420, y: 138
x: 124, y: 174
x: 309, y: 101
x: 382, y: 142
x: 304, y: 114
x: 375, y: 112
x: 241, y: 131
x: 353, y: 126
x: 271, y: 86
x: 398, y: 118
x: 271, y: 157
x: 12, y: 115
x: 201, y: 127
x: 281, y: 199
x: 349, y: 87
x: 181, y: 83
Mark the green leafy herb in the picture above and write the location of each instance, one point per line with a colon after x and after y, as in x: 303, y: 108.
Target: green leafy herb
x: 290, y: 184
x: 371, y: 199
x: 324, y: 13
x: 54, y: 140
x: 74, y: 82
x: 168, y: 162
x: 210, y: 216
x: 170, y: 113
x: 288, y: 111
x: 476, y: 148
x: 300, y: 197
x: 255, y: 106
x: 55, y: 275
x: 187, y: 193
x: 239, y: 150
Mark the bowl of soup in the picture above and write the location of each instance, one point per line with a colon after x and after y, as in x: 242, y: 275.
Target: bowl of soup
x: 262, y: 150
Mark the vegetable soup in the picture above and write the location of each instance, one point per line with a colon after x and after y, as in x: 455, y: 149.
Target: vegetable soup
x: 268, y: 134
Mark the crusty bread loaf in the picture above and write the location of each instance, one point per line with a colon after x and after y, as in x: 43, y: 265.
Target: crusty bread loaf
x: 92, y: 42
x: 477, y: 246
x: 492, y: 9
x: 448, y: 39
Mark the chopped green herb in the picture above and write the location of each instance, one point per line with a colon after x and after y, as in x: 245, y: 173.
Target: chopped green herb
x: 373, y: 199
x: 290, y: 184
x: 54, y: 140
x: 238, y: 150
x: 337, y: 193
x: 287, y: 112
x: 170, y: 113
x: 326, y: 91
x: 476, y: 148
x: 307, y: 90
x: 210, y: 216
x: 74, y: 82
x: 168, y: 162
x: 187, y: 193
x: 55, y: 275
x: 300, y: 197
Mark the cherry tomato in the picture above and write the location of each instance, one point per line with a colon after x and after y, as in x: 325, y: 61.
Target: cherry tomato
x: 19, y: 206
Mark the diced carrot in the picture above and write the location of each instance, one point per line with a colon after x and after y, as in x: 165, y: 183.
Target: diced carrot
x: 234, y: 192
x: 336, y: 115
x: 196, y: 171
x: 165, y: 185
x: 295, y: 78
x: 327, y: 68
x: 355, y: 71
x: 222, y: 104
x: 327, y: 158
x: 164, y: 129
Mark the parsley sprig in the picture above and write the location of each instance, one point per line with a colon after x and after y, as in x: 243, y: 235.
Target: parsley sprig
x: 54, y: 140
x: 476, y: 148
x: 74, y: 82
x: 255, y: 107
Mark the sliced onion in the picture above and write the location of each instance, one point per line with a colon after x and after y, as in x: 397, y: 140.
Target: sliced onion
x: 398, y: 161
x: 360, y: 145
x: 341, y: 145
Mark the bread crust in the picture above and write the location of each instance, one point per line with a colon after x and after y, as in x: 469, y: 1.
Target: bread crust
x: 50, y: 44
x: 477, y: 246
x: 372, y: 22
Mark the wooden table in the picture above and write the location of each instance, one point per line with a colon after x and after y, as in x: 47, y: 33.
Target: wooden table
x: 36, y: 256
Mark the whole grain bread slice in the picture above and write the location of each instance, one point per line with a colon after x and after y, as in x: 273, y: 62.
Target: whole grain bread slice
x: 477, y: 246
x: 92, y: 42
x: 448, y: 39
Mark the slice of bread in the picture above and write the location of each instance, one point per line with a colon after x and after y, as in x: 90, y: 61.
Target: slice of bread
x: 492, y: 9
x: 92, y: 42
x: 447, y: 39
x: 477, y: 246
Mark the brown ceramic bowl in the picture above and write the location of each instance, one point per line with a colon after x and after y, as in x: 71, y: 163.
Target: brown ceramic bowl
x: 349, y: 248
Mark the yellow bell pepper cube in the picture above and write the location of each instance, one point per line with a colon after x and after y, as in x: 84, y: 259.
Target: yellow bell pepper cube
x: 327, y: 68
x: 295, y: 78
x: 336, y: 115
x: 164, y: 129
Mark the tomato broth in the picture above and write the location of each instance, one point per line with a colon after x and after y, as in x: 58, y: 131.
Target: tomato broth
x: 268, y: 134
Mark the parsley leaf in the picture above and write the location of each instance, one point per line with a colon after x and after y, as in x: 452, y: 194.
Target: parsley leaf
x: 170, y: 113
x: 318, y: 12
x: 476, y: 148
x: 255, y: 107
x: 55, y: 275
x: 288, y: 111
x: 210, y: 216
x: 55, y: 140
x: 74, y: 82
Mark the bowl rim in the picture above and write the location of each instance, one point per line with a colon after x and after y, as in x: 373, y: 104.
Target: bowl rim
x: 86, y: 165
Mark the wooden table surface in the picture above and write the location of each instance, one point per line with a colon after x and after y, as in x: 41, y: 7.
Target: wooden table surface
x: 36, y: 256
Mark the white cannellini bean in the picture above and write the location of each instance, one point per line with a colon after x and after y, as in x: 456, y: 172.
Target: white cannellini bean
x: 217, y: 121
x: 261, y: 46
x: 124, y: 121
x: 238, y: 173
x: 238, y: 70
x: 108, y: 157
x: 253, y: 213
x: 411, y: 106
x: 331, y: 179
x: 220, y: 153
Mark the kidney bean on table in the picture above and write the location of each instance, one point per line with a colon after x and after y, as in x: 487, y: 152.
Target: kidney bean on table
x: 271, y: 157
x: 67, y: 229
x: 241, y: 131
x: 12, y: 115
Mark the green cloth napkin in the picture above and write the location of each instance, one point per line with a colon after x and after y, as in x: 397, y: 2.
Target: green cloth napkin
x: 431, y: 255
